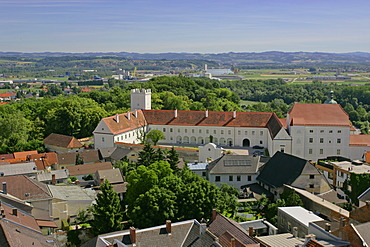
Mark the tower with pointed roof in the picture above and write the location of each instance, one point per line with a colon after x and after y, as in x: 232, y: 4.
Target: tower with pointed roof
x: 330, y: 99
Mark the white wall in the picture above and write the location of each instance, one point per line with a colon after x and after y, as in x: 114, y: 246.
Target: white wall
x: 237, y: 184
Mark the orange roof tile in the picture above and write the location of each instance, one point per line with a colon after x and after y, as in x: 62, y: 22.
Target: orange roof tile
x: 283, y: 122
x: 43, y: 160
x: 318, y: 115
x: 23, y: 155
x: 124, y: 124
x: 367, y: 157
x: 4, y: 103
x: 7, y: 95
x: 88, y: 168
x: 359, y: 140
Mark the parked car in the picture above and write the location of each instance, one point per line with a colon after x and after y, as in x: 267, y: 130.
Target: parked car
x: 258, y: 147
x: 258, y: 153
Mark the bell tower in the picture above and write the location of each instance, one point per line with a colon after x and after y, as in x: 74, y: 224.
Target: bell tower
x: 141, y: 99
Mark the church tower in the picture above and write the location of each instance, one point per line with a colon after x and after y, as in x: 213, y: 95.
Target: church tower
x: 330, y: 99
x: 141, y: 99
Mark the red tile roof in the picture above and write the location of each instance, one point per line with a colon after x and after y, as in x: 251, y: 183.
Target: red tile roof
x: 4, y: 103
x: 88, y: 156
x: 62, y: 141
x: 359, y: 140
x: 283, y: 122
x: 26, y: 188
x: 44, y: 160
x: 318, y: 115
x: 23, y: 155
x: 5, y: 157
x: 7, y: 95
x: 22, y: 218
x: 46, y: 223
x: 77, y: 170
x: 124, y: 124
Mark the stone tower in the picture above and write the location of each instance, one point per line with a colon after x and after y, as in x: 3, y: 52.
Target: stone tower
x: 141, y: 99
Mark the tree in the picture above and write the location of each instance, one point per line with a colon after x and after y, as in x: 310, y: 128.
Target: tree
x: 147, y: 156
x: 79, y: 160
x: 155, y: 136
x: 173, y: 159
x: 107, y: 211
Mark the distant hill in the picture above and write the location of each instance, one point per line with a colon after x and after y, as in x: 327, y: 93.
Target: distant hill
x: 231, y: 58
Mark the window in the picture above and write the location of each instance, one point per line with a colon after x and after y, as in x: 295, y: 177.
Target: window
x: 203, y: 174
x: 217, y: 178
x: 312, y: 186
x: 249, y: 178
x: 330, y: 131
x: 321, y: 151
x: 239, y: 132
x: 261, y: 142
x: 339, y: 131
x: 171, y: 130
x: 200, y: 130
x: 186, y: 130
x: 231, y: 178
x: 310, y: 140
x: 192, y: 130
x: 102, y: 128
x: 178, y: 130
x: 121, y: 138
x: 102, y: 139
x: 238, y: 178
x: 312, y: 176
x: 129, y: 135
x: 222, y: 132
x: 126, y: 136
x: 321, y: 140
x: 207, y: 131
x: 321, y: 131
x: 245, y: 132
x: 339, y: 140
x: 214, y: 131
x: 229, y: 132
x: 164, y: 129
x: 310, y: 151
x: 261, y: 133
x: 338, y: 151
x: 253, y: 132
x: 311, y: 131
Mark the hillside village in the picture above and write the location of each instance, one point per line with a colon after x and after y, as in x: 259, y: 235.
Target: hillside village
x: 209, y: 178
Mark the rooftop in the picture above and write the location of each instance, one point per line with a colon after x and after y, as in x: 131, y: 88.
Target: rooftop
x: 281, y: 240
x: 350, y: 167
x: 318, y: 115
x: 18, y: 169
x: 62, y: 141
x: 359, y: 140
x: 302, y: 215
x: 238, y: 164
x: 77, y: 170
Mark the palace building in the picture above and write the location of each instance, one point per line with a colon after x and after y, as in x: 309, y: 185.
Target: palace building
x: 310, y: 131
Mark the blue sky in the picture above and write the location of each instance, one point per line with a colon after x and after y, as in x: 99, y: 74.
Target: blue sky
x: 205, y: 26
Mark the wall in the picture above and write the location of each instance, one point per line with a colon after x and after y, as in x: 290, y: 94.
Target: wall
x: 237, y: 184
x: 284, y: 220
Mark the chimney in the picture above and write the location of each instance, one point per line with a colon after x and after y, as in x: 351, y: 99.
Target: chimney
x: 133, y: 235
x: 117, y: 118
x: 234, y: 114
x: 214, y: 214
x: 327, y: 227
x: 175, y: 113
x: 4, y: 188
x: 136, y: 113
x: 53, y: 180
x: 251, y: 231
x: 15, y: 211
x: 232, y: 242
x: 128, y: 115
x: 206, y: 112
x: 168, y: 226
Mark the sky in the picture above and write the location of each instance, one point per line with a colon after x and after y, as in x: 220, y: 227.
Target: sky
x: 196, y: 26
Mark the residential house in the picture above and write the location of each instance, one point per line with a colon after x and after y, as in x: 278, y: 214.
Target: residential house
x: 18, y: 228
x: 285, y: 169
x: 80, y: 171
x: 68, y: 200
x: 31, y: 191
x: 199, y: 168
x: 23, y: 155
x: 357, y: 235
x: 68, y: 159
x: 295, y: 220
x: 53, y: 177
x: 7, y: 96
x: 235, y: 170
x: 62, y: 143
x: 29, y: 169
x: 114, y: 177
x: 44, y: 161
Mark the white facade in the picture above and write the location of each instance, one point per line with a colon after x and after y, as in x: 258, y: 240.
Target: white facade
x: 209, y: 152
x: 233, y: 179
x: 141, y: 99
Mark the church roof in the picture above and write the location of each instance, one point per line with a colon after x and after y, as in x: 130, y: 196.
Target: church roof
x: 318, y: 115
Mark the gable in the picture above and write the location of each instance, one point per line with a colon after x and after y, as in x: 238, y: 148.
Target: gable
x: 282, y: 135
x: 281, y: 169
